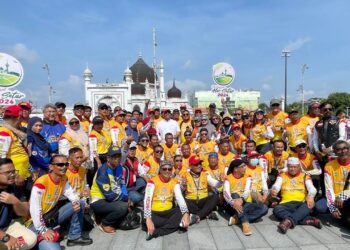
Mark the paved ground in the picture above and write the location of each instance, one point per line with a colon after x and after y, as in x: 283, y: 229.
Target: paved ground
x: 217, y: 235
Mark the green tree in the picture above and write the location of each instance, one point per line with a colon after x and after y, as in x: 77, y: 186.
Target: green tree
x: 264, y: 107
x: 339, y: 100
x: 294, y: 105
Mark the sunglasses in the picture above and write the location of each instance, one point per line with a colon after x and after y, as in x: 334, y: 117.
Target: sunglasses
x: 178, y: 160
x: 61, y: 164
x: 158, y: 151
x: 104, y: 108
x: 144, y: 140
x: 302, y: 146
x: 327, y: 109
x: 74, y: 123
x: 275, y: 105
x: 187, y: 134
x: 237, y: 114
x: 167, y: 169
x: 342, y: 149
x: 186, y: 114
x: 204, y: 133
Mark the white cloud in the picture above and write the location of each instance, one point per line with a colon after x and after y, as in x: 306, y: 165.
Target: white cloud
x: 187, y: 64
x: 21, y: 51
x: 297, y: 44
x: 266, y: 86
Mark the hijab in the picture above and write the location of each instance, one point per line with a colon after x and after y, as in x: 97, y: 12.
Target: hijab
x: 132, y: 131
x: 78, y: 135
x: 36, y: 137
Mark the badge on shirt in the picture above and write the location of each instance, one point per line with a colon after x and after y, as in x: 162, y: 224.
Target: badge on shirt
x: 106, y: 187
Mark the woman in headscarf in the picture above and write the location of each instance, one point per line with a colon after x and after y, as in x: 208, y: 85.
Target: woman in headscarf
x: 226, y: 129
x: 131, y: 129
x: 75, y: 136
x: 38, y: 148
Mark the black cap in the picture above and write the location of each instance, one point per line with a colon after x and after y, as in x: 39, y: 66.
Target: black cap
x: 79, y: 104
x: 102, y: 105
x: 97, y: 120
x: 60, y: 104
x: 236, y: 163
x: 114, y: 151
x: 212, y: 105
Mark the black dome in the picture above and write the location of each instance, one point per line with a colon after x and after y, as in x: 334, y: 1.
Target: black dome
x: 174, y: 92
x: 141, y: 71
x: 137, y: 89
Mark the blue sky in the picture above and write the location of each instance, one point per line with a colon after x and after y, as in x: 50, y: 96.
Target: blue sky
x: 191, y: 36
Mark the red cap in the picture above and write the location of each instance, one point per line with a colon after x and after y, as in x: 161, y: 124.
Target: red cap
x: 194, y: 160
x: 120, y: 112
x: 235, y: 125
x: 13, y: 110
x: 25, y: 104
x: 253, y: 153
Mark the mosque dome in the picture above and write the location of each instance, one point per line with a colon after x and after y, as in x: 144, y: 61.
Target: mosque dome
x: 138, y: 89
x: 141, y: 71
x: 174, y: 92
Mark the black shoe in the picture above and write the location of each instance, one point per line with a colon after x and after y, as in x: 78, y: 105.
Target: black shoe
x: 213, y: 216
x: 151, y: 236
x: 79, y: 242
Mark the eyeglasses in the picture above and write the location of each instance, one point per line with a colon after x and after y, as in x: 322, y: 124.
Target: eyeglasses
x: 185, y: 114
x: 275, y: 105
x: 204, y: 133
x: 342, y: 149
x: 61, y: 164
x: 215, y: 118
x: 302, y: 146
x: 73, y: 123
x: 204, y: 120
x: 327, y: 109
x: 9, y: 173
x: 104, y: 108
x: 167, y: 169
x: 237, y: 114
x: 187, y: 134
x: 178, y: 160
x: 144, y: 140
x: 158, y: 151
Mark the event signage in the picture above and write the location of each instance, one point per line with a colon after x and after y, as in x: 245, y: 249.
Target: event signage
x: 223, y: 75
x: 11, y: 74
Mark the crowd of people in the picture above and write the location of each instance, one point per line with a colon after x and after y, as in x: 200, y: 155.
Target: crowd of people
x: 177, y: 166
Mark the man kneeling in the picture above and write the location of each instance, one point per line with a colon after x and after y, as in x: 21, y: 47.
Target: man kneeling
x: 295, y: 206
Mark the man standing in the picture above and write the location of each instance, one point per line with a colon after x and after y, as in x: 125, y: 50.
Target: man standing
x: 26, y: 111
x: 167, y: 125
x: 78, y: 111
x: 297, y: 129
x: 52, y: 130
x: 297, y: 198
x: 61, y: 109
x: 87, y: 113
x: 277, y: 119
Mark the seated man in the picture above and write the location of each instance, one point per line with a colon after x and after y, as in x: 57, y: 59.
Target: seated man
x: 337, y: 178
x: 109, y: 195
x: 161, y: 216
x: 237, y: 188
x: 297, y: 197
x: 195, y: 186
x: 150, y: 168
x: 169, y: 147
x: 12, y: 204
x: 47, y: 212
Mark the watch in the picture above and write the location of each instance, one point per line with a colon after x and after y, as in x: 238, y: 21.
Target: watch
x: 6, y: 238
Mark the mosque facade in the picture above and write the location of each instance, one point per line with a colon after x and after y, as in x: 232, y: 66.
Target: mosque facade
x: 140, y: 84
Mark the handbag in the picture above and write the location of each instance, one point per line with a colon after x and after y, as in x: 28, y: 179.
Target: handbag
x: 131, y: 221
x: 51, y: 217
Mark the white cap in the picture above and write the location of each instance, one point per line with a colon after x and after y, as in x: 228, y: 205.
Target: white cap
x: 293, y: 161
x: 300, y: 141
x: 133, y: 144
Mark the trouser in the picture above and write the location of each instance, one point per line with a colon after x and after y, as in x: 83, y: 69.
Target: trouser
x: 18, y: 230
x: 91, y: 172
x: 251, y: 211
x: 202, y: 207
x: 112, y: 213
x: 345, y: 213
x: 166, y: 222
x: 264, y: 148
x: 136, y: 193
x: 76, y: 223
x: 297, y: 212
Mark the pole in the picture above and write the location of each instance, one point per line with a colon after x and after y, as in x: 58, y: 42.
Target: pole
x: 46, y: 67
x: 303, y: 68
x: 285, y: 54
x: 155, y: 65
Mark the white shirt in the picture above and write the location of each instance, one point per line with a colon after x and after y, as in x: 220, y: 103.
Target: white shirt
x: 164, y: 127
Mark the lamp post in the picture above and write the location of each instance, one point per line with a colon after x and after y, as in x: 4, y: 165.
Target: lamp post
x: 303, y: 68
x: 285, y: 54
x: 46, y: 67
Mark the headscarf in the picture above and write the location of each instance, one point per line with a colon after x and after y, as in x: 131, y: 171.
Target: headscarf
x: 132, y: 131
x: 36, y: 137
x: 78, y: 135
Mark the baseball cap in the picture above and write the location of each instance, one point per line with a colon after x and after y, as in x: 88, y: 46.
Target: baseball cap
x: 156, y: 108
x: 275, y: 101
x: 120, y: 112
x: 25, y: 104
x: 114, y: 151
x: 235, y: 125
x: 176, y: 111
x: 260, y: 111
x: 165, y: 163
x: 197, y: 119
x: 213, y: 154
x: 133, y: 144
x: 78, y: 104
x: 198, y: 111
x: 227, y: 116
x: 194, y: 160
x: 13, y: 110
x: 212, y: 105
x: 102, y: 105
x: 204, y: 117
x: 236, y: 163
x: 293, y: 110
x: 60, y: 104
x: 253, y: 153
x: 97, y: 120
x: 299, y: 142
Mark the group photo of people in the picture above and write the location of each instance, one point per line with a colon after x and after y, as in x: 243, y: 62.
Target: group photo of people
x: 163, y: 170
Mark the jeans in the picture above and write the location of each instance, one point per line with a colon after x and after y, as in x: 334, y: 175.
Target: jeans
x: 111, y: 213
x: 321, y: 206
x: 251, y: 211
x: 136, y: 192
x: 297, y: 212
x: 76, y: 223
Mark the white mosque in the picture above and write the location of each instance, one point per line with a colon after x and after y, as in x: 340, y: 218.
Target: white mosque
x: 140, y: 83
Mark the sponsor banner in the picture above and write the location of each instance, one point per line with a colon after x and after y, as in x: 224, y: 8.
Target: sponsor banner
x: 223, y: 75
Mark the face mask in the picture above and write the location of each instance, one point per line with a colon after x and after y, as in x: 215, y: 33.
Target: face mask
x: 253, y: 162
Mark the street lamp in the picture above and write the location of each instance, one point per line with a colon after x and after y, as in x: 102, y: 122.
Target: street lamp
x: 285, y: 54
x: 46, y: 67
x: 303, y: 68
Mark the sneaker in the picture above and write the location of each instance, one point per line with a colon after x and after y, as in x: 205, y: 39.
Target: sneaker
x: 246, y: 229
x: 314, y: 222
x: 285, y: 225
x: 233, y: 220
x: 213, y: 216
x: 194, y: 219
